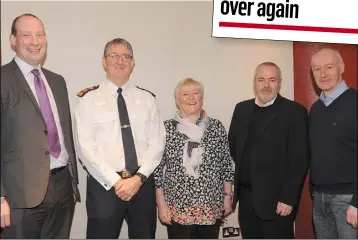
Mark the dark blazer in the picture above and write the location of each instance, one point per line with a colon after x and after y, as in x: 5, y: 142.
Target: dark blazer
x: 25, y: 162
x: 279, y: 155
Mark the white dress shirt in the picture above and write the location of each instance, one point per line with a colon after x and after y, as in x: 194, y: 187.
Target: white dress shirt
x: 98, y: 133
x: 26, y: 69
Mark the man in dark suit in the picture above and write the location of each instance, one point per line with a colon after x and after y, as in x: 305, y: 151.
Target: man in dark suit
x: 268, y: 142
x: 38, y: 165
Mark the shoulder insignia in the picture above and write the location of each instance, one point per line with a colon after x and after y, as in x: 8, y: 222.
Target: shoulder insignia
x: 146, y: 90
x: 86, y: 90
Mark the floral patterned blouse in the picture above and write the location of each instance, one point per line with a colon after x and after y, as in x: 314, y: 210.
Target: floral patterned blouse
x: 195, y: 201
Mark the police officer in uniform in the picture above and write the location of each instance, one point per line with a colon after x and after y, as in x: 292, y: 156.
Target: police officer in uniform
x: 120, y: 139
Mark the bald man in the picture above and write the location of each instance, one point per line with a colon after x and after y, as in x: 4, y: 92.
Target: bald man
x: 333, y: 139
x: 38, y: 165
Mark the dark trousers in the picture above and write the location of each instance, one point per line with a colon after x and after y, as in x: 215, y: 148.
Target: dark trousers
x: 106, y: 212
x: 179, y: 231
x: 254, y: 228
x: 52, y: 218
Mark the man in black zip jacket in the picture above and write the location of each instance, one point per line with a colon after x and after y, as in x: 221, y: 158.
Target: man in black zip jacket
x: 333, y: 140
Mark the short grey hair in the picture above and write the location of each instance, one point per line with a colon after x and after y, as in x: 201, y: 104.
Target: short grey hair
x: 188, y: 82
x: 270, y: 64
x: 333, y: 50
x: 117, y: 41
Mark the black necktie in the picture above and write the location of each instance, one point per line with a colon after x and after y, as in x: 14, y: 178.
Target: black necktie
x: 130, y: 154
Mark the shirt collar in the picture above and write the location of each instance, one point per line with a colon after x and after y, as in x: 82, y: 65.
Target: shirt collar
x: 269, y: 103
x: 337, y: 91
x: 24, y: 66
x: 113, y: 87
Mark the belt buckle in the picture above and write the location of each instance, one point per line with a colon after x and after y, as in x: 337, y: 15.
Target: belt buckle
x: 125, y: 174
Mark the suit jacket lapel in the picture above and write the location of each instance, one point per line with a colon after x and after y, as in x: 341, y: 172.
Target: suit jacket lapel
x: 247, y: 116
x: 270, y: 117
x: 27, y: 88
x: 249, y: 113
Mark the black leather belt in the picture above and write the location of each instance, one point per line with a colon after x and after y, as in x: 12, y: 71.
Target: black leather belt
x: 57, y: 170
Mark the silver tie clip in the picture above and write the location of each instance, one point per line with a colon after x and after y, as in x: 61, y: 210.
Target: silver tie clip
x: 125, y: 126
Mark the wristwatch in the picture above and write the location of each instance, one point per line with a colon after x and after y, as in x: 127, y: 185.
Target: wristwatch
x: 143, y: 178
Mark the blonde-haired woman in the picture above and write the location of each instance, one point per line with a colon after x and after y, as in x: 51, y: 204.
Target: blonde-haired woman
x: 193, y: 181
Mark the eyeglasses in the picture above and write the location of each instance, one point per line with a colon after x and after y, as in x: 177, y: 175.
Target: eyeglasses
x: 124, y: 57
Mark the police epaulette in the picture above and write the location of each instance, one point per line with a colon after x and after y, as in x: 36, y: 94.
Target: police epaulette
x: 146, y: 90
x: 86, y: 90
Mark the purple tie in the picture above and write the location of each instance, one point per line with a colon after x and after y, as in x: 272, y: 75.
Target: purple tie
x: 47, y: 114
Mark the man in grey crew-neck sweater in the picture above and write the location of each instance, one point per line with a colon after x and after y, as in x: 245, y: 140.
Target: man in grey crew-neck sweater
x: 333, y: 140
